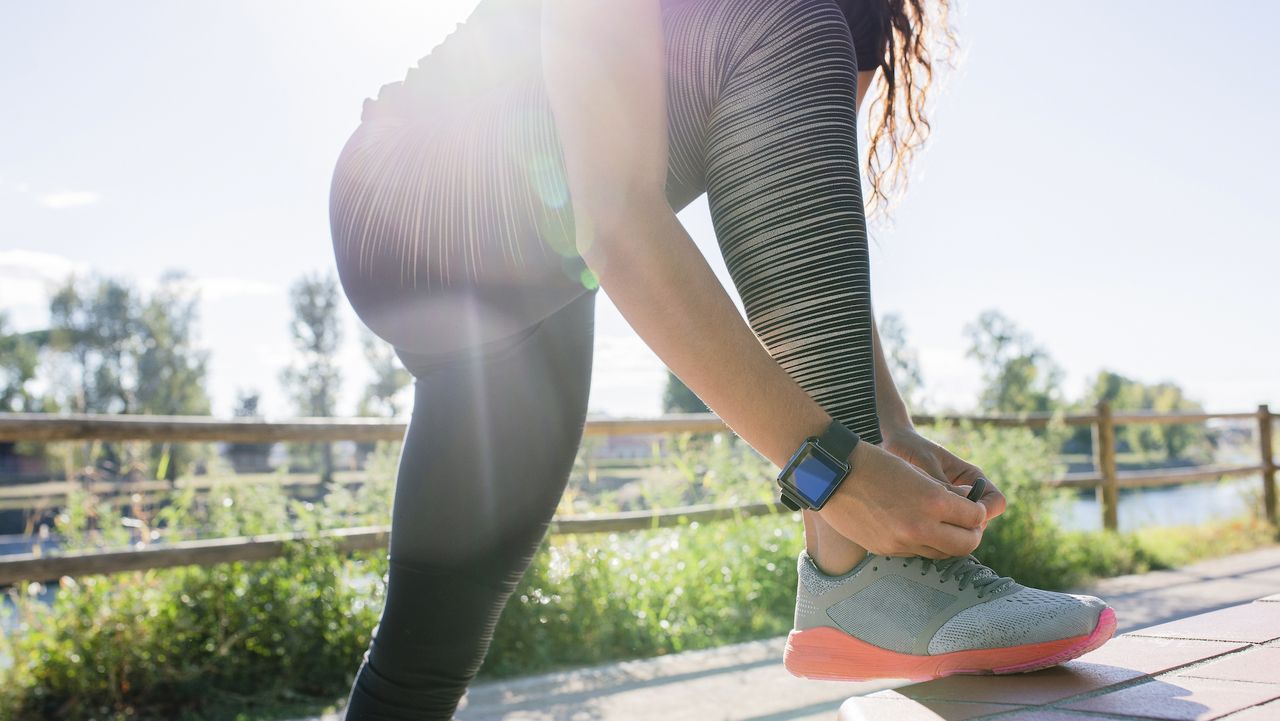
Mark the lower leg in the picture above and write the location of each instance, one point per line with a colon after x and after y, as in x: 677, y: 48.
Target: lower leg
x: 832, y: 553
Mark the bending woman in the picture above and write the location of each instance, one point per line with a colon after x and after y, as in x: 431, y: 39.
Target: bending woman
x: 542, y: 152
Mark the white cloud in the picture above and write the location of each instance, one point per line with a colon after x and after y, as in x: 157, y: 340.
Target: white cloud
x: 219, y: 288
x: 28, y: 277
x: 69, y: 199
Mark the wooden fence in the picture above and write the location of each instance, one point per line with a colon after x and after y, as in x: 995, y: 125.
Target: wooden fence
x: 42, y: 427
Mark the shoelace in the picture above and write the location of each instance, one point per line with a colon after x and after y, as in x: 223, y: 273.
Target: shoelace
x: 964, y: 569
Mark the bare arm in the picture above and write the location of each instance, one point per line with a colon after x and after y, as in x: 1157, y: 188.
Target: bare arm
x: 616, y: 152
x: 604, y: 68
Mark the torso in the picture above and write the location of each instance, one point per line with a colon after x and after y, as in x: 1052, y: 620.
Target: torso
x: 449, y: 201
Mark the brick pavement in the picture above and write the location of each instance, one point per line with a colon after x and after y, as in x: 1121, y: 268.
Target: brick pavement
x: 1223, y: 663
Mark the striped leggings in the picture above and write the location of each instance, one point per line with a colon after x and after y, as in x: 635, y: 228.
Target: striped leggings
x: 761, y: 96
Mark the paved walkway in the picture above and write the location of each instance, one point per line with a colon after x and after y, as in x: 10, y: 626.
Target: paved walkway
x: 746, y: 682
x: 1224, y: 663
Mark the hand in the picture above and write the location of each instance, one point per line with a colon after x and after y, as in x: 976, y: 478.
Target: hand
x: 889, y: 507
x: 938, y: 462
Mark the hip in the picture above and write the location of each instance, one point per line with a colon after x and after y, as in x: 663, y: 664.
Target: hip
x: 447, y: 234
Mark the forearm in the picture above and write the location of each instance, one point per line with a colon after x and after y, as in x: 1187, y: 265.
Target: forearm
x: 890, y: 407
x: 664, y: 287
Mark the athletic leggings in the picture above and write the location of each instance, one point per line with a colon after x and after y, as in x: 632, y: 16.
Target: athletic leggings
x: 761, y: 97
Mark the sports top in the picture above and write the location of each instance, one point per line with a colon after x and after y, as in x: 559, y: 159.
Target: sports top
x: 503, y: 27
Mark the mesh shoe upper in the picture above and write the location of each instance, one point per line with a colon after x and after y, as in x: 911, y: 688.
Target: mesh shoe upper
x: 917, y: 606
x: 1029, y: 615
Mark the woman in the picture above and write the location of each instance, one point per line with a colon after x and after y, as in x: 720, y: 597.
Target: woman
x: 541, y: 152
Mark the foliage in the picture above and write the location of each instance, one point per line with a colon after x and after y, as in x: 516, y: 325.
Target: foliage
x: 598, y: 597
x: 381, y: 394
x: 313, y: 379
x: 112, y: 350
x: 703, y: 468
x: 903, y: 360
x: 679, y: 398
x: 187, y: 640
x: 1018, y: 374
x: 247, y: 457
x: 1173, y: 442
x: 19, y: 356
x: 1025, y: 540
x: 381, y: 397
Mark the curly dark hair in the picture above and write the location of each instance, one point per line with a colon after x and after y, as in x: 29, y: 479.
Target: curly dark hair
x: 918, y: 34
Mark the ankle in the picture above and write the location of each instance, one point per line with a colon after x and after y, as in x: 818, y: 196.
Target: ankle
x: 835, y: 557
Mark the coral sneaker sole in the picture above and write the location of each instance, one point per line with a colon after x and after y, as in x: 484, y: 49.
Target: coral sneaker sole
x: 829, y: 654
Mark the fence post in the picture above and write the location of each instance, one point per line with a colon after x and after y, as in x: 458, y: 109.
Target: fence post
x: 1104, y: 459
x: 1268, y: 463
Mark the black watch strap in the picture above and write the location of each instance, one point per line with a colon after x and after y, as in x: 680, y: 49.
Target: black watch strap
x: 839, y: 440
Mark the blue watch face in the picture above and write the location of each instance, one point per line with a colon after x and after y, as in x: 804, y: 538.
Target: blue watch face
x: 815, y: 476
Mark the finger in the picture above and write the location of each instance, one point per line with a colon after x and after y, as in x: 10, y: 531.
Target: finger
x: 929, y: 464
x: 929, y: 552
x: 994, y: 504
x: 966, y: 473
x: 993, y: 500
x: 953, y: 540
x: 960, y: 511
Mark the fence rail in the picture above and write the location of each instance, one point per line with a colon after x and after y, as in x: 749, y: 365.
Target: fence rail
x: 72, y: 427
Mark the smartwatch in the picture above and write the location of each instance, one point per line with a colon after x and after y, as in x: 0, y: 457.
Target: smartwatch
x: 817, y: 468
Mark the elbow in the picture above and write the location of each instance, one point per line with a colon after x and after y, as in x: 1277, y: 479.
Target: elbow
x: 605, y: 234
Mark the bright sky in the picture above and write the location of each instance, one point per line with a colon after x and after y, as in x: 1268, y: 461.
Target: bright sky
x: 1101, y: 172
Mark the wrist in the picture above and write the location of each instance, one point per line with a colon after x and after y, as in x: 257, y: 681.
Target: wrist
x: 861, y: 470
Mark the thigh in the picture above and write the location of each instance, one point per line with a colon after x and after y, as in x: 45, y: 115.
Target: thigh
x: 491, y: 443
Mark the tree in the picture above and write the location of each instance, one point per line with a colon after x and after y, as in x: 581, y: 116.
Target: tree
x: 19, y: 359
x: 171, y: 371
x: 312, y: 380
x: 380, y: 396
x: 248, y: 457
x: 1174, y: 442
x: 95, y: 325
x: 122, y: 353
x: 679, y: 398
x: 1018, y: 375
x: 904, y: 362
x: 19, y: 355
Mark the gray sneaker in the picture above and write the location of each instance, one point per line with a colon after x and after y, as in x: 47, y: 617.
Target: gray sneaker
x: 915, y: 618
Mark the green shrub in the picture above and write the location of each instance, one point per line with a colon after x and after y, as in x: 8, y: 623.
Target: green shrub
x: 157, y: 642
x: 1023, y: 541
x: 185, y: 641
x: 596, y: 597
